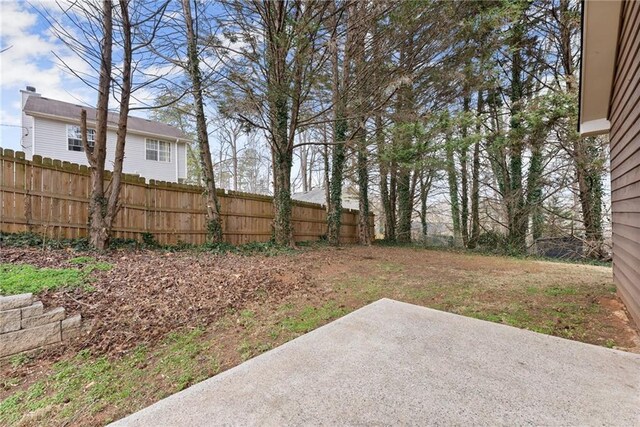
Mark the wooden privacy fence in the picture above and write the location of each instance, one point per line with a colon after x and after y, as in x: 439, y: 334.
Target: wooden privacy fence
x: 51, y: 197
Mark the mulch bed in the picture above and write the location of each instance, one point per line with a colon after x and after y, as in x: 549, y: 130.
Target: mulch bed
x: 148, y: 294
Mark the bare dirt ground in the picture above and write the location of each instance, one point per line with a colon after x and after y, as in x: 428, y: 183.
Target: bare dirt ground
x: 159, y: 321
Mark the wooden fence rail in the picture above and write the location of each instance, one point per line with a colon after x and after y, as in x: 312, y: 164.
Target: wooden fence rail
x: 51, y: 197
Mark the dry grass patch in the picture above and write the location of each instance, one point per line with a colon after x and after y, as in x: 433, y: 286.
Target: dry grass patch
x: 173, y: 320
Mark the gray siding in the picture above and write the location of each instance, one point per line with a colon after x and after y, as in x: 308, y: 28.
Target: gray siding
x: 625, y: 161
x: 51, y: 141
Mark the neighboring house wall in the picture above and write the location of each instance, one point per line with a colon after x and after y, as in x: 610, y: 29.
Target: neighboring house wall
x: 625, y: 160
x: 182, y: 160
x: 51, y: 141
x: 27, y: 126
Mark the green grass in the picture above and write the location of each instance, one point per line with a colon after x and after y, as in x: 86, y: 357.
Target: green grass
x: 18, y: 279
x: 180, y: 364
x: 81, y: 260
x: 247, y: 349
x: 90, y: 264
x: 312, y: 317
x: 23, y: 278
x: 87, y: 384
x: 247, y: 319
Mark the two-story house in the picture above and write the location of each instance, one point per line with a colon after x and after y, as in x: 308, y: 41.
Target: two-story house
x: 52, y: 129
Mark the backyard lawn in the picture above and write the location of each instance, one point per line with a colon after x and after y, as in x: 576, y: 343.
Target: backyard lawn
x: 159, y: 321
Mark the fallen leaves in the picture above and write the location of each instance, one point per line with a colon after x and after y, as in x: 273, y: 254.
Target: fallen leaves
x: 148, y: 294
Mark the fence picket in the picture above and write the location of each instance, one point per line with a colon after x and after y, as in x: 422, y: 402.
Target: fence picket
x: 50, y: 197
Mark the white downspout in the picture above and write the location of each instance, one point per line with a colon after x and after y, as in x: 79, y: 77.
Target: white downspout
x: 33, y: 136
x: 177, y: 178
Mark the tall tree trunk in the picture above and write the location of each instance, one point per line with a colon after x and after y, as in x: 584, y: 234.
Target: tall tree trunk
x: 214, y: 220
x: 586, y: 153
x: 121, y: 135
x: 405, y: 205
x: 453, y: 192
x: 534, y: 189
x: 364, y: 230
x: 586, y: 156
x: 283, y: 231
x: 340, y: 85
x: 98, y: 227
x: 393, y: 198
x: 383, y: 161
x: 475, y: 179
x: 385, y: 198
x: 464, y: 212
x: 425, y: 188
x: 404, y: 135
x: 518, y: 220
x: 284, y: 87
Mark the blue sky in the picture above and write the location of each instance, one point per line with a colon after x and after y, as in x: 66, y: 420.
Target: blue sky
x: 29, y: 60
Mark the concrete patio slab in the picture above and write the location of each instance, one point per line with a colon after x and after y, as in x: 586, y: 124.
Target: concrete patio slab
x: 393, y: 363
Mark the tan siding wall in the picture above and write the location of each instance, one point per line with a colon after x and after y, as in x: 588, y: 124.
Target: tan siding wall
x: 625, y: 161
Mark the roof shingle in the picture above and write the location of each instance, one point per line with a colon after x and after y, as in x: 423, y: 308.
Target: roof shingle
x: 42, y: 105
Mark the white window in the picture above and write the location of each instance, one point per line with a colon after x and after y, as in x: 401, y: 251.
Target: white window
x: 158, y: 150
x: 74, y: 138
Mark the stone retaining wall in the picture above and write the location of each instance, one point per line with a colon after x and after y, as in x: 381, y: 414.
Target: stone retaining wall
x: 24, y: 325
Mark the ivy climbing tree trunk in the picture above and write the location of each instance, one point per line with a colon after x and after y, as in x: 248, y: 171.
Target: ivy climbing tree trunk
x: 464, y: 212
x: 453, y: 192
x: 426, y: 177
x: 475, y: 178
x: 214, y: 220
x: 518, y: 218
x: 339, y: 84
x: 361, y: 143
x: 385, y: 197
x: 534, y: 190
x: 404, y: 133
x: 586, y: 153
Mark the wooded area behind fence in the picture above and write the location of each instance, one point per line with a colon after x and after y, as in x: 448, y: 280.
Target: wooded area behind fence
x: 51, y: 197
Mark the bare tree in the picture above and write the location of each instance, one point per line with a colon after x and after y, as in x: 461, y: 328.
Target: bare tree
x: 229, y: 132
x: 94, y: 30
x: 269, y: 74
x: 214, y: 220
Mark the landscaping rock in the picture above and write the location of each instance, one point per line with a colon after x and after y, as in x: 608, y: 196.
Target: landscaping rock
x: 28, y: 339
x: 9, y: 320
x: 35, y: 309
x: 72, y: 322
x: 15, y: 301
x: 71, y: 327
x: 54, y: 315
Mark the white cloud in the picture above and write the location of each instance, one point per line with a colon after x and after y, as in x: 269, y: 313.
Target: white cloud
x: 29, y: 60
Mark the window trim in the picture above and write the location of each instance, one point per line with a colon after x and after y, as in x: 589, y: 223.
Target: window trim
x: 90, y: 141
x: 157, y: 150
